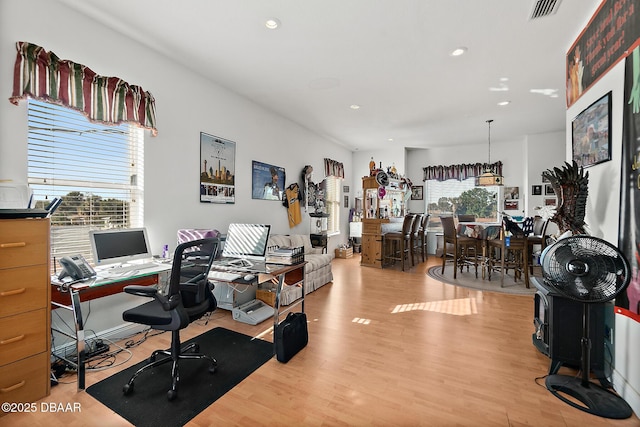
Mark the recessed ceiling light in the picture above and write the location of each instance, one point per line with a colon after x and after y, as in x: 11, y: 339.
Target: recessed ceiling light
x: 272, y: 23
x: 459, y: 51
x: 354, y: 106
x: 503, y: 103
x: 390, y: 139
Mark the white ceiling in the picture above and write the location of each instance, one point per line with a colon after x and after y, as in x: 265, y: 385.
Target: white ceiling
x: 391, y: 57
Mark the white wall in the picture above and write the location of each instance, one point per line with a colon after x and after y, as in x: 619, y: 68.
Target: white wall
x: 187, y: 104
x: 603, y: 208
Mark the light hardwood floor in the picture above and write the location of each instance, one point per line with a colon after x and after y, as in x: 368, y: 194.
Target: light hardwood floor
x: 386, y: 348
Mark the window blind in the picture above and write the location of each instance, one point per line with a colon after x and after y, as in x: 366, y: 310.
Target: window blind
x: 332, y: 200
x: 96, y: 169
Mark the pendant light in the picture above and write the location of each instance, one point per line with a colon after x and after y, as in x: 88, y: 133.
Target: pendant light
x: 488, y: 177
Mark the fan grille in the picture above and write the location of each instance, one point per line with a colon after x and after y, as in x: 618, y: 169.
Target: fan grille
x: 585, y: 268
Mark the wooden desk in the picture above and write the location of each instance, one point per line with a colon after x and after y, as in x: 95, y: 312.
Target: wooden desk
x: 69, y: 297
x: 279, y: 274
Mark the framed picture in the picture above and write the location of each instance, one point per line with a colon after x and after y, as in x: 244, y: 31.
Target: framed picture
x: 217, y: 169
x: 550, y: 201
x: 545, y: 179
x: 267, y: 181
x: 590, y: 137
x: 512, y: 192
x: 345, y: 188
x: 548, y: 189
x: 510, y: 205
x: 417, y: 192
x: 346, y: 201
x: 536, y: 190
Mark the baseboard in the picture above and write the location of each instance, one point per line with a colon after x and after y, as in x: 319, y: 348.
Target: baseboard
x: 624, y: 389
x: 109, y: 335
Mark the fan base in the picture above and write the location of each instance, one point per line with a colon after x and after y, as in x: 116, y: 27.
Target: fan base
x: 595, y: 399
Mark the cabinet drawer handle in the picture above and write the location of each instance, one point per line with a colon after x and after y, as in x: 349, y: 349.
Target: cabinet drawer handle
x: 13, y: 245
x: 11, y: 340
x: 13, y: 292
x: 12, y: 387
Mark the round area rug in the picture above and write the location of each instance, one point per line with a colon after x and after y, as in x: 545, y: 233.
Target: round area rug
x: 467, y: 279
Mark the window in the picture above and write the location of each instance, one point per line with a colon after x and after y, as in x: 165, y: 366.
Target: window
x: 332, y: 200
x: 96, y: 169
x: 453, y: 197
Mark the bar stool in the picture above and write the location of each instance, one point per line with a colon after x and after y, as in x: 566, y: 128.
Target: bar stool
x: 397, y: 244
x: 422, y: 231
x: 464, y: 250
x: 415, y: 237
x: 506, y: 253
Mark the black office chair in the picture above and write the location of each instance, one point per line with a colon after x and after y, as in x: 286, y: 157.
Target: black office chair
x: 189, y: 298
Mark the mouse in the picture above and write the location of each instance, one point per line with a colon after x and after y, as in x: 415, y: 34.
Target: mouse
x: 249, y: 277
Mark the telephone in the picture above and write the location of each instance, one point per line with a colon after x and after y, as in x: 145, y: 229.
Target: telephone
x: 76, y: 267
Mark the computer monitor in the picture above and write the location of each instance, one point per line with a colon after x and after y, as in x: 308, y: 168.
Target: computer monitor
x: 247, y: 241
x: 119, y: 245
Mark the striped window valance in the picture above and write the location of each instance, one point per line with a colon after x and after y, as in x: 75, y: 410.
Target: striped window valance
x: 460, y: 172
x: 333, y: 168
x: 42, y: 75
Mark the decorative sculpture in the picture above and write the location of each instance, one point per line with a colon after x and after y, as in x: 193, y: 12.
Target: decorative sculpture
x: 571, y: 187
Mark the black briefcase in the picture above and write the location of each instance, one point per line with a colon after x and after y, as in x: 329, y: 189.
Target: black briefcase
x: 291, y: 336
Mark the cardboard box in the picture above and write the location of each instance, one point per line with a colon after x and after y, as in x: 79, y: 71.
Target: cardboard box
x: 344, y: 252
x: 266, y: 296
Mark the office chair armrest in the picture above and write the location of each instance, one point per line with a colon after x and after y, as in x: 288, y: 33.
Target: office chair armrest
x: 149, y: 291
x: 141, y: 291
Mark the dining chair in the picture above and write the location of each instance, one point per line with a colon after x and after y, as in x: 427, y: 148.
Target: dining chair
x: 397, y: 244
x: 538, y: 236
x: 508, y: 252
x: 464, y: 250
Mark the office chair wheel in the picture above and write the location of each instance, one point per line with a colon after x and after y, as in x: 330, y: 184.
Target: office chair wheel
x: 127, y: 389
x: 212, y: 369
x: 171, y: 394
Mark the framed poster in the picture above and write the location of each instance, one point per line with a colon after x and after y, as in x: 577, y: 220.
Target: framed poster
x: 590, y: 137
x: 267, y: 181
x: 536, y: 190
x: 417, y: 192
x: 217, y: 169
x: 550, y: 201
x: 548, y: 190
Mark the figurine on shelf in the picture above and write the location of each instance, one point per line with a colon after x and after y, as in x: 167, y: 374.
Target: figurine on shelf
x: 372, y: 167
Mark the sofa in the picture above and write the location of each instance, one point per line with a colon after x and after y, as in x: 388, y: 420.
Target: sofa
x: 317, y: 270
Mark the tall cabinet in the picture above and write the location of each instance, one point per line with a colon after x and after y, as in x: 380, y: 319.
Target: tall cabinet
x: 382, y: 204
x: 25, y: 315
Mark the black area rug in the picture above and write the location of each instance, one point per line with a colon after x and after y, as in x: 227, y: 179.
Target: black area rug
x: 238, y: 355
x: 469, y: 280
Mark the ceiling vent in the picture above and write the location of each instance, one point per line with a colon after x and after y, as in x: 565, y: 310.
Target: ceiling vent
x: 542, y: 8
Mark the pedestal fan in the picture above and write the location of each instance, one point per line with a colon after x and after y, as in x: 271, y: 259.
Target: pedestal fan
x: 589, y: 270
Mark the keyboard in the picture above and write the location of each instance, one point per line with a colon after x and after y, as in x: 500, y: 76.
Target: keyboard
x: 126, y: 269
x: 225, y: 276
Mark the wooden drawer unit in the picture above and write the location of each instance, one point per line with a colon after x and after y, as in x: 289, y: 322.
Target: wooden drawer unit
x: 24, y: 242
x: 25, y: 316
x: 21, y: 381
x: 21, y: 289
x: 22, y: 335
